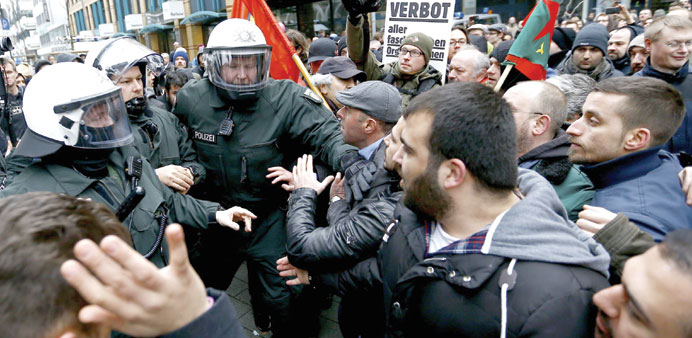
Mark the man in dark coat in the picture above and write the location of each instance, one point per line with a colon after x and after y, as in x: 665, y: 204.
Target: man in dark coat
x: 589, y: 55
x: 472, y: 243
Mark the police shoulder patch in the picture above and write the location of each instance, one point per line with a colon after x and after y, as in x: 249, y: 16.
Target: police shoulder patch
x: 310, y: 95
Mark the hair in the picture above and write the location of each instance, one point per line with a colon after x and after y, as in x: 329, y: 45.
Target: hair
x: 40, y: 64
x: 676, y: 248
x: 654, y: 31
x: 651, y: 103
x: 552, y: 103
x: 298, y: 39
x: 481, y: 61
x: 8, y: 61
x: 174, y: 78
x: 576, y: 88
x: 475, y: 125
x: 38, y: 234
x: 322, y: 79
x: 378, y: 36
x: 461, y: 28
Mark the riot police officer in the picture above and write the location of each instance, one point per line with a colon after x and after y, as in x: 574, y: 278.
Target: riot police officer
x: 158, y: 134
x: 242, y: 123
x: 77, y: 124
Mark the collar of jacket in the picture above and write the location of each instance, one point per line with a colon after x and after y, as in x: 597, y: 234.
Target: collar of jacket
x: 73, y: 182
x: 555, y: 148
x: 670, y: 78
x: 623, y: 168
x: 468, y: 271
x: 411, y: 227
x: 622, y: 62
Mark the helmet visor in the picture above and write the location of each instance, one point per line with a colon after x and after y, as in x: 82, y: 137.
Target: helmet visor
x: 104, y: 122
x: 122, y: 54
x: 240, y: 70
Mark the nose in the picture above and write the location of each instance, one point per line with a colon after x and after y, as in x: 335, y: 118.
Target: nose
x: 399, y: 156
x: 340, y: 114
x: 575, y: 128
x: 610, y: 300
x: 587, y: 55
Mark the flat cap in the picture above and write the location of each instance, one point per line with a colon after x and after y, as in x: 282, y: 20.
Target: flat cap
x: 377, y: 99
x: 342, y: 67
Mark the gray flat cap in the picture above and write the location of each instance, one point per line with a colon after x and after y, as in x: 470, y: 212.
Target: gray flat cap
x: 377, y: 99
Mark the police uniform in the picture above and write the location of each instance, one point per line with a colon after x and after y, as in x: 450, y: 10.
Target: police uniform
x: 159, y: 202
x: 285, y: 121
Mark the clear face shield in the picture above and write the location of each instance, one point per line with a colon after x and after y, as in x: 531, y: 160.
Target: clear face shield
x: 240, y: 70
x: 103, y: 123
x: 122, y: 54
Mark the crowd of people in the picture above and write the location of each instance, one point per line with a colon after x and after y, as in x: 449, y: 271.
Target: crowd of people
x: 433, y: 202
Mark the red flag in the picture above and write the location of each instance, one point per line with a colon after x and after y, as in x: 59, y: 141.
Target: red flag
x: 282, y: 65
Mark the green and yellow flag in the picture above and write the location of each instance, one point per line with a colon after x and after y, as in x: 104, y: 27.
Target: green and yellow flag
x: 530, y: 52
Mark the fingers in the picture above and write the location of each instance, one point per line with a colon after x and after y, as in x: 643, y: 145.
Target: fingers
x: 686, y: 181
x: 282, y: 261
x: 177, y: 249
x: 338, y: 179
x: 248, y: 223
x: 88, y: 286
x: 288, y: 187
x: 294, y: 281
x: 325, y: 183
x: 182, y: 178
x: 95, y: 314
x: 288, y: 273
x: 141, y: 270
x: 588, y: 225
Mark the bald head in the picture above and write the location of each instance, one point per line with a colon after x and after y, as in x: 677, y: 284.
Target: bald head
x: 540, y: 97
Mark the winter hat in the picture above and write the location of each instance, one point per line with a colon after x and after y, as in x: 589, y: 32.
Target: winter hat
x: 341, y: 45
x: 564, y: 37
x: 422, y: 41
x: 595, y: 35
x: 638, y: 41
x: 181, y: 52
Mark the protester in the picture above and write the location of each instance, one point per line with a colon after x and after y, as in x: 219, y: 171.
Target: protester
x: 576, y: 88
x: 12, y: 119
x: 335, y: 75
x: 540, y: 110
x: 175, y: 80
x: 356, y: 223
x: 617, y: 49
x: 469, y: 65
x: 620, y: 144
x: 300, y: 43
x: 470, y: 228
x: 200, y: 67
x: 638, y: 54
x: 496, y: 33
x: 669, y: 42
x: 588, y: 55
x: 320, y: 49
x: 180, y: 58
x: 644, y: 15
x: 457, y: 40
x: 242, y: 123
x: 411, y: 74
x: 47, y: 290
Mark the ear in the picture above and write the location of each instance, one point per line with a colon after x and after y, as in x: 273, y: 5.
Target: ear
x: 637, y: 139
x: 482, y: 75
x: 648, y: 43
x: 452, y: 173
x: 369, y: 126
x: 541, y: 125
x: 324, y: 89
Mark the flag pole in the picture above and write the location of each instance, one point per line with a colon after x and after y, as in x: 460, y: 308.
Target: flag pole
x: 503, y: 78
x: 308, y: 79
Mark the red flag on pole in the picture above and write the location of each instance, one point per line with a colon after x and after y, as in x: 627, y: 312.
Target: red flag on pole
x: 282, y: 65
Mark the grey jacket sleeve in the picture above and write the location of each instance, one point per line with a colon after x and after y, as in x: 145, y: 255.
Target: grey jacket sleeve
x: 347, y: 240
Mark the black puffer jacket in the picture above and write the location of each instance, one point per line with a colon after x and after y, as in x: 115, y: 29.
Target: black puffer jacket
x: 458, y: 295
x: 354, y: 231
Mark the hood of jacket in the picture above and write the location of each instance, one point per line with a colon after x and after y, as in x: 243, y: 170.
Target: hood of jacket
x: 603, y: 70
x: 556, y: 148
x: 537, y: 229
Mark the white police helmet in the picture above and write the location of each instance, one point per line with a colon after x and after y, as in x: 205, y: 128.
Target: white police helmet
x: 238, y: 58
x: 72, y: 104
x: 117, y: 56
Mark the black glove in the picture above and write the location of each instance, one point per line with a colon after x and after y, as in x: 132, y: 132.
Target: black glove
x: 357, y: 178
x: 357, y: 7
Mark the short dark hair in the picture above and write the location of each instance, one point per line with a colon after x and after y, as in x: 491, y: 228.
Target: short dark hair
x: 175, y: 78
x: 40, y: 64
x: 38, y: 233
x: 677, y: 249
x: 474, y: 124
x: 651, y: 103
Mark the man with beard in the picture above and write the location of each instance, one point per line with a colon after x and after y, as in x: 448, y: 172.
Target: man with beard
x: 653, y: 299
x: 477, y: 244
x: 355, y: 226
x: 617, y: 49
x: 589, y: 55
x: 638, y: 54
x: 621, y: 144
x: 539, y: 110
x: 669, y: 43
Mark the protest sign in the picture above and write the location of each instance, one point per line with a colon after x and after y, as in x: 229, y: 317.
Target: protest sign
x: 434, y: 18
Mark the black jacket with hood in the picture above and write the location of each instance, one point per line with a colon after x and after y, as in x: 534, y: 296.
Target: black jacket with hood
x: 556, y: 269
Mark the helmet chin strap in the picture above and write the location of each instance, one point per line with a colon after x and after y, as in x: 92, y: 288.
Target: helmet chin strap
x: 135, y: 107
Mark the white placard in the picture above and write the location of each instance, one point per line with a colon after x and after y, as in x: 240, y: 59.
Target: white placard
x: 173, y: 10
x: 434, y: 18
x: 106, y: 29
x: 134, y: 21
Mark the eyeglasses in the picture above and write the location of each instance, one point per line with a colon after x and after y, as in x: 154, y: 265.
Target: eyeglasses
x: 454, y: 42
x: 677, y: 44
x: 414, y: 52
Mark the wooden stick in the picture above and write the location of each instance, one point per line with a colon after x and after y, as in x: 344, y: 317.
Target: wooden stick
x: 503, y: 78
x: 308, y: 79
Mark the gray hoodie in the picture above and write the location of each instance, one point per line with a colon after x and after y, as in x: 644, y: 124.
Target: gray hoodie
x: 537, y: 229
